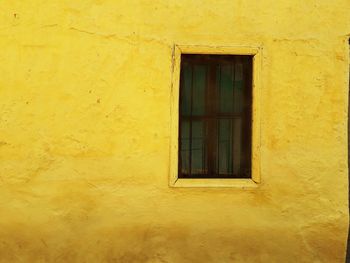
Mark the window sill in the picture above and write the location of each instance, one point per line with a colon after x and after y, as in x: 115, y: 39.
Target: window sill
x: 218, y: 183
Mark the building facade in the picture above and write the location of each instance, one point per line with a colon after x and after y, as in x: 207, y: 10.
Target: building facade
x: 88, y: 131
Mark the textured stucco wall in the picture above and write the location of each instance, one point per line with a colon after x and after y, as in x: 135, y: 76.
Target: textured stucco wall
x: 84, y: 133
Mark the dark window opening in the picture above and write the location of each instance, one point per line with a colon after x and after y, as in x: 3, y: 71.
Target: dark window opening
x: 215, y: 116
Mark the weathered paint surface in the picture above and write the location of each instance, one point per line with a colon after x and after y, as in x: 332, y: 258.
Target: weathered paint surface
x: 84, y: 131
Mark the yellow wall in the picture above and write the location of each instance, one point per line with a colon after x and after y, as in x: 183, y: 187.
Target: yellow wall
x: 85, y: 132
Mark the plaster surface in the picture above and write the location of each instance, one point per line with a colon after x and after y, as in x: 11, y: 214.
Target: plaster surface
x: 85, y: 133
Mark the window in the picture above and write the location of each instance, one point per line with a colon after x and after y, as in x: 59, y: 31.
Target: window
x: 215, y: 105
x: 215, y: 116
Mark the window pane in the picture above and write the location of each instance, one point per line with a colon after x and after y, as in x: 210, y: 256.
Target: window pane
x: 186, y: 90
x: 225, y: 146
x: 225, y: 84
x: 237, y: 145
x: 198, y: 149
x: 238, y: 87
x: 199, y: 85
x: 185, y: 147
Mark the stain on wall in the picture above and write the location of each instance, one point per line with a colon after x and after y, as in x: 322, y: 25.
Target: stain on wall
x: 84, y: 133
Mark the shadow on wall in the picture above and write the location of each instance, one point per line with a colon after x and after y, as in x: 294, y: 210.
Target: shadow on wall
x: 173, y: 243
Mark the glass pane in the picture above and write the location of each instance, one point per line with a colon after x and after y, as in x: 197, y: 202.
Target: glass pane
x: 185, y: 147
x: 225, y: 79
x: 225, y: 146
x: 198, y: 149
x: 238, y: 86
x: 237, y: 150
x: 215, y: 120
x: 199, y: 84
x: 186, y: 90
